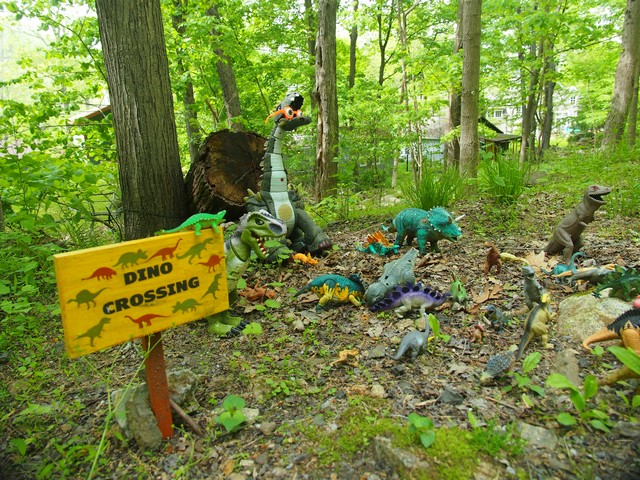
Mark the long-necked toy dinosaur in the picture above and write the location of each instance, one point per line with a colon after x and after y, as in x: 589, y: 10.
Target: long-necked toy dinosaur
x: 274, y: 195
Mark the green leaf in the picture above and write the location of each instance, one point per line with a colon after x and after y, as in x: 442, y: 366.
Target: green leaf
x: 4, y: 289
x: 20, y: 445
x: 566, y: 419
x: 254, y: 328
x: 599, y: 425
x: 233, y: 402
x: 590, y: 386
x: 230, y: 422
x: 635, y: 403
x: 427, y: 438
x: 473, y: 420
x: 531, y: 362
x: 557, y: 380
x: 271, y: 303
x: 627, y: 356
x: 538, y: 389
x: 578, y: 400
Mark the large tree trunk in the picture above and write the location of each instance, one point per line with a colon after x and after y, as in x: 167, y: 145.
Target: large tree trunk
x: 227, y: 165
x: 547, y: 120
x: 469, y: 142
x: 227, y: 77
x: 353, y: 43
x: 153, y: 193
x: 327, y: 100
x: 452, y: 148
x: 633, y: 111
x: 626, y: 76
x: 312, y: 27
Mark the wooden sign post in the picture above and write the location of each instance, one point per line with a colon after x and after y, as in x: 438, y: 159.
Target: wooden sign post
x: 115, y: 293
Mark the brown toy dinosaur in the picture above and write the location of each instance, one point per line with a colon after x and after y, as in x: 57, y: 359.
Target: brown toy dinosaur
x: 493, y: 258
x: 567, y: 237
x: 626, y: 328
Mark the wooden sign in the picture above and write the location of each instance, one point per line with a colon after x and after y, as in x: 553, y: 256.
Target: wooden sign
x: 114, y: 293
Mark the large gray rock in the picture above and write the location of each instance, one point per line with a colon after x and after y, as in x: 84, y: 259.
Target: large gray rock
x: 582, y: 315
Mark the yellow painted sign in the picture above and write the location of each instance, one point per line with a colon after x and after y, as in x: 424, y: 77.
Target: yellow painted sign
x: 112, y: 294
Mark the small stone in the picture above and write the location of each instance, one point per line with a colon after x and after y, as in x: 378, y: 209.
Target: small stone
x: 538, y: 436
x: 377, y: 391
x: 376, y: 352
x: 450, y: 397
x: 267, y: 428
x: 298, y: 326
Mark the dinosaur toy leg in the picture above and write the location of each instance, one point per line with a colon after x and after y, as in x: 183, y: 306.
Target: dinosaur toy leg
x: 222, y: 323
x: 354, y: 301
x: 314, y: 239
x: 622, y: 373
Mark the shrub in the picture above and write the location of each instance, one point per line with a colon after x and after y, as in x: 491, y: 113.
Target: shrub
x: 503, y: 178
x: 437, y: 188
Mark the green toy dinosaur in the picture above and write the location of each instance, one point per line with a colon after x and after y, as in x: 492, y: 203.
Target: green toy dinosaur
x: 623, y: 282
x: 254, y: 228
x: 427, y: 226
x: 199, y: 221
x: 335, y: 289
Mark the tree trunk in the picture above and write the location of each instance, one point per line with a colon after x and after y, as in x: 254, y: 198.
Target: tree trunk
x: 547, y: 121
x: 452, y: 148
x: 529, y: 109
x: 353, y: 43
x: 633, y: 111
x: 385, y: 26
x: 312, y: 26
x: 135, y: 57
x: 404, y: 94
x: 227, y: 165
x: 227, y: 77
x: 327, y: 100
x: 626, y: 76
x: 469, y: 142
x: 192, y: 125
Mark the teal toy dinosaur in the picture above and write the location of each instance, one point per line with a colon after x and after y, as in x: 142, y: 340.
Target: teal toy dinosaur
x: 428, y: 227
x: 199, y: 221
x: 333, y: 288
x: 254, y: 228
x: 274, y: 195
x: 562, y: 268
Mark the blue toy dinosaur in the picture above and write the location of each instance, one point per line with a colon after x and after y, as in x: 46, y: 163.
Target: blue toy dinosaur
x: 335, y: 289
x: 427, y: 226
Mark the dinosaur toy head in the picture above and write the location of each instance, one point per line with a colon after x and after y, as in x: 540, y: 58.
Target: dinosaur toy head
x: 288, y: 114
x: 256, y: 227
x: 443, y: 223
x: 594, y: 194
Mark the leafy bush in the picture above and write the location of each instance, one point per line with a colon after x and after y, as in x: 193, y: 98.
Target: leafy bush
x: 503, y: 178
x: 437, y: 188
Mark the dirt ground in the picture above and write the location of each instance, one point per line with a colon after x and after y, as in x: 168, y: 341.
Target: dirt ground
x: 308, y: 403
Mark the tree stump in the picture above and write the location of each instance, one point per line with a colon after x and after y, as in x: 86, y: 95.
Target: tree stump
x: 228, y: 163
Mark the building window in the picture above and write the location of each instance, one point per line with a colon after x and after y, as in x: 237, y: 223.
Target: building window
x: 572, y: 100
x: 497, y: 113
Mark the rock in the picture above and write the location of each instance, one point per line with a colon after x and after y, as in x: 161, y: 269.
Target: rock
x: 566, y: 363
x: 377, y: 391
x: 182, y: 385
x: 398, y: 459
x: 538, y: 436
x: 298, y: 326
x: 267, y: 428
x: 376, y: 352
x: 582, y: 315
x: 141, y: 421
x: 450, y: 397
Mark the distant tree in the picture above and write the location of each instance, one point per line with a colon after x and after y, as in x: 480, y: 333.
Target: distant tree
x: 326, y: 100
x: 153, y: 190
x: 469, y: 142
x: 452, y: 147
x: 626, y: 76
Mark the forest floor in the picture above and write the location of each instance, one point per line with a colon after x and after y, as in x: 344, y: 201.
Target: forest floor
x: 321, y: 418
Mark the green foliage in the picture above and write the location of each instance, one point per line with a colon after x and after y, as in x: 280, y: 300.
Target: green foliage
x: 423, y: 428
x: 232, y: 417
x: 596, y: 417
x: 503, y: 178
x: 434, y: 325
x: 439, y: 187
x: 627, y: 356
x: 523, y: 382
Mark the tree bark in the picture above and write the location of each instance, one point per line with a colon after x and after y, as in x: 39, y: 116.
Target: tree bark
x: 385, y: 26
x: 227, y: 165
x: 633, y: 111
x: 327, y: 100
x: 227, y: 76
x: 469, y: 142
x: 625, y: 78
x: 529, y: 108
x: 549, y: 88
x: 452, y: 148
x: 353, y: 43
x: 312, y: 26
x: 135, y: 57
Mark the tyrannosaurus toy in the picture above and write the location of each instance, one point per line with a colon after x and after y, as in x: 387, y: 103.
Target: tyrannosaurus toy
x: 626, y: 328
x: 274, y: 195
x: 426, y: 226
x: 254, y: 228
x: 567, y: 237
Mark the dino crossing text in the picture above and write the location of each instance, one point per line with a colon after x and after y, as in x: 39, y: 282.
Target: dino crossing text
x: 115, y: 293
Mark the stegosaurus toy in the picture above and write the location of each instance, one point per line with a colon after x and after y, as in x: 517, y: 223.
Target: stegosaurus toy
x: 378, y: 244
x: 623, y: 282
x: 334, y: 288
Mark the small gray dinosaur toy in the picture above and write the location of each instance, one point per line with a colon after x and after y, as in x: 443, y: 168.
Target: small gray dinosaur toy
x: 414, y: 342
x: 532, y: 289
x: 397, y: 272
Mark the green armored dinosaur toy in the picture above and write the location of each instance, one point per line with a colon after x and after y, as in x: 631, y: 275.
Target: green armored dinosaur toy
x: 427, y: 226
x: 335, y: 289
x: 254, y: 228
